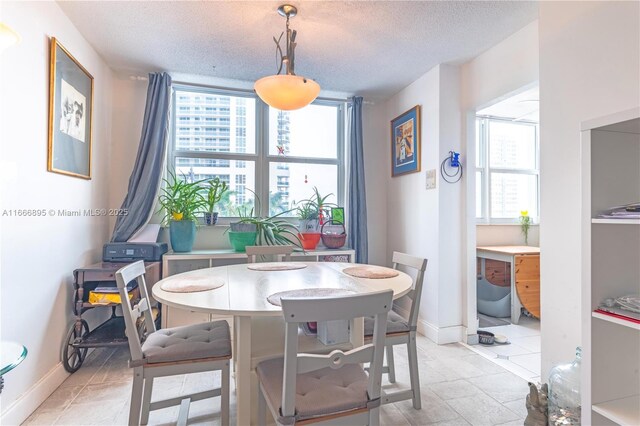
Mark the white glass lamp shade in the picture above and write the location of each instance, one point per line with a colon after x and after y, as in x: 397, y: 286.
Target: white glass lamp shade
x: 8, y: 37
x: 287, y: 92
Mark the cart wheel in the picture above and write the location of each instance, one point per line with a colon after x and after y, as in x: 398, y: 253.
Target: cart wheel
x: 72, y: 357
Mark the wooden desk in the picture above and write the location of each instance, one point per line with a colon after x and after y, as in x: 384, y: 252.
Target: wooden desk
x: 525, y: 275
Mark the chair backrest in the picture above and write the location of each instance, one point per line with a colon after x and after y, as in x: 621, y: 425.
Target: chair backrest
x: 420, y: 265
x: 301, y: 310
x: 277, y: 252
x: 125, y: 275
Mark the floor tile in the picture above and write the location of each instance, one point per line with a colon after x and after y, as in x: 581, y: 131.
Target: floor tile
x: 531, y: 362
x: 480, y: 409
x: 518, y: 406
x: 531, y: 343
x: 454, y: 389
x: 91, y: 413
x: 390, y: 415
x: 503, y: 387
x: 485, y: 365
x: 433, y: 410
x: 508, y: 350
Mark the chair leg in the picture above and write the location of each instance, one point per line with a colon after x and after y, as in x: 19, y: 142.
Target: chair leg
x: 391, y: 364
x: 146, y: 400
x: 136, y: 396
x: 262, y: 407
x: 413, y: 371
x: 224, y: 395
x: 374, y: 417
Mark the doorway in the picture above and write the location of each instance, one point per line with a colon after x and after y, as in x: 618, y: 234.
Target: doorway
x: 503, y: 265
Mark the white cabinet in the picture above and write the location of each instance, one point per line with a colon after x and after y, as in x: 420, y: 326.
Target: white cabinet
x: 610, y: 269
x: 175, y: 263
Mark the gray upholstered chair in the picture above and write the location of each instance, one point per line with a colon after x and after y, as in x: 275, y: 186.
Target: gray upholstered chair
x: 276, y: 252
x: 169, y: 352
x: 401, y: 331
x: 326, y: 389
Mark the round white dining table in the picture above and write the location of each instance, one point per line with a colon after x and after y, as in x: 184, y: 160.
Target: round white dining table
x: 258, y: 327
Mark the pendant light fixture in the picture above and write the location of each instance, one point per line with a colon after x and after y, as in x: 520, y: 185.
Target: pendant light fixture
x: 287, y: 91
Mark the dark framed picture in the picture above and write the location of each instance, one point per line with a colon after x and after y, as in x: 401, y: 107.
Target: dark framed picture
x: 70, y: 114
x: 405, y: 142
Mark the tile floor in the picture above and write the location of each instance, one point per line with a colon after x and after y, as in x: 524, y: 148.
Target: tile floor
x: 522, y: 356
x: 459, y: 387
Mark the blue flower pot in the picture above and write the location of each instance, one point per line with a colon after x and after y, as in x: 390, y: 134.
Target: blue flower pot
x: 182, y: 234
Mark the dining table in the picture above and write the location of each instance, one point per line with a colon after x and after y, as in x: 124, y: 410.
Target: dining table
x: 242, y: 294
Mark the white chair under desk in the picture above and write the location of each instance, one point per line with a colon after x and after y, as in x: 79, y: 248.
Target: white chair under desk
x: 402, y: 331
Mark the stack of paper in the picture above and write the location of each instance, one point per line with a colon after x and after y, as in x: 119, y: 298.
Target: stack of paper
x: 629, y: 211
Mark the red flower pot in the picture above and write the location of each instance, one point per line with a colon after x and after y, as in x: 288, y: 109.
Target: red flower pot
x: 309, y: 240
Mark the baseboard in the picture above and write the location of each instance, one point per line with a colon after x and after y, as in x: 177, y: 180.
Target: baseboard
x: 439, y: 335
x: 20, y: 409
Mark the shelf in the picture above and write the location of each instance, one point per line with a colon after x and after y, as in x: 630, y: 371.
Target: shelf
x: 615, y: 320
x: 624, y: 411
x: 617, y: 221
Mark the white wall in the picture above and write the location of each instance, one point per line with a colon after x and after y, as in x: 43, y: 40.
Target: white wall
x: 38, y: 255
x: 589, y: 67
x: 503, y: 70
x: 505, y: 235
x: 419, y: 221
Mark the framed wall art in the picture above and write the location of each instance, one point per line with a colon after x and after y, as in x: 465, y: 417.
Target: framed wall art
x: 405, y: 142
x: 70, y: 114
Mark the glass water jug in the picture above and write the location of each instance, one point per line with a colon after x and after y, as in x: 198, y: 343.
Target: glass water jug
x: 564, y: 393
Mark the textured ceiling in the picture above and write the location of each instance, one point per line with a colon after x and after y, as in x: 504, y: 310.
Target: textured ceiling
x: 366, y: 47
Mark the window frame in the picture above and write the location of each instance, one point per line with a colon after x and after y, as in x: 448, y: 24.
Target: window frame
x: 261, y: 158
x: 484, y: 167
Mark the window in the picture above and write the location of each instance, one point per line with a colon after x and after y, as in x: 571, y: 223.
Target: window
x: 507, y: 170
x: 280, y: 157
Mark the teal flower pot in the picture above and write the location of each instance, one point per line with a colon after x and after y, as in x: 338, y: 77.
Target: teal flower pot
x: 182, y: 234
x: 239, y: 240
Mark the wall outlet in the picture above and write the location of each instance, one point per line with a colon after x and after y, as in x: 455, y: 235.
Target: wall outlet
x: 431, y: 179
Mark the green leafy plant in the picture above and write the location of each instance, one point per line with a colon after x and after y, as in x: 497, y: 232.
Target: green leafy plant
x: 273, y: 230
x: 525, y: 224
x: 180, y: 200
x: 314, y: 207
x: 215, y: 190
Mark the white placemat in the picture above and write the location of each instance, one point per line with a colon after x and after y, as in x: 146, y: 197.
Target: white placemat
x: 192, y: 285
x: 274, y: 299
x: 371, y: 272
x: 276, y: 266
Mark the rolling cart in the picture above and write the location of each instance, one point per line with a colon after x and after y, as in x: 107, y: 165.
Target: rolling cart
x: 111, y: 332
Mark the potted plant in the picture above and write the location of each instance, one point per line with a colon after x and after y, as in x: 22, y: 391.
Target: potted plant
x: 181, y: 201
x: 525, y: 224
x: 254, y: 230
x: 215, y: 190
x: 311, y: 213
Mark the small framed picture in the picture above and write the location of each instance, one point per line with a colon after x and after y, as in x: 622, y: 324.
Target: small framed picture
x: 70, y: 114
x: 405, y: 142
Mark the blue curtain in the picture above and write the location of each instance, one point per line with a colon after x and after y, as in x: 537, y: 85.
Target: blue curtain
x: 356, y: 198
x: 147, y: 170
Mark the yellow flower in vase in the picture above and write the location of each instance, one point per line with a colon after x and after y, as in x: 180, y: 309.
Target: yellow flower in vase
x: 177, y: 216
x: 525, y: 224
